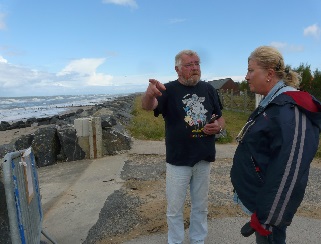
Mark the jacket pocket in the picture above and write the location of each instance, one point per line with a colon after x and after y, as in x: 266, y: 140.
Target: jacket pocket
x: 257, y: 171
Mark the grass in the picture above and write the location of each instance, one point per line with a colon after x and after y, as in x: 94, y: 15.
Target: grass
x: 144, y: 126
x: 234, y: 122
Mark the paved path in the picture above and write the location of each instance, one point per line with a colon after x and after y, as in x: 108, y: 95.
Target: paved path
x: 226, y: 231
x: 73, y: 195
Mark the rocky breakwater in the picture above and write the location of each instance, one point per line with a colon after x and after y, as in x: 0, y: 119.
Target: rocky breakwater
x: 56, y: 139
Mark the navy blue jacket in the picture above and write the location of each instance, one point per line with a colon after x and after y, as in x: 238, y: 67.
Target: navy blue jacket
x: 272, y: 161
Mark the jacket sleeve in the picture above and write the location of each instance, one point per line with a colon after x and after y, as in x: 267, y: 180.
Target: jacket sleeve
x: 292, y: 146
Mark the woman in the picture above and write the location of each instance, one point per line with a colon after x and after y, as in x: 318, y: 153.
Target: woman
x: 276, y: 146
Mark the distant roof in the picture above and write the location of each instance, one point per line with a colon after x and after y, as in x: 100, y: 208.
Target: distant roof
x: 217, y: 84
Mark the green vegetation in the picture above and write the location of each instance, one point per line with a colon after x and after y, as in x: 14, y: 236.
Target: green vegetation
x: 234, y: 122
x: 145, y: 126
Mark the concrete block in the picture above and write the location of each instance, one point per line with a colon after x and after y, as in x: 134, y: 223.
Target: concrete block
x: 82, y: 126
x: 89, y: 133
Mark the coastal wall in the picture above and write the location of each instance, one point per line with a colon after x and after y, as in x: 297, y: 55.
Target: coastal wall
x: 54, y: 139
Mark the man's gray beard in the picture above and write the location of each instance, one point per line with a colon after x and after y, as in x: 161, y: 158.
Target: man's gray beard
x: 190, y: 82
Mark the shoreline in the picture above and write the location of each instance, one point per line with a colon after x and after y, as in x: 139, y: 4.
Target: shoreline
x: 21, y: 109
x: 33, y: 114
x: 31, y: 124
x: 10, y: 135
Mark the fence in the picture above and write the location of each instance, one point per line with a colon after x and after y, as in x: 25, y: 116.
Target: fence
x: 239, y: 102
x: 245, y: 101
x: 23, y: 197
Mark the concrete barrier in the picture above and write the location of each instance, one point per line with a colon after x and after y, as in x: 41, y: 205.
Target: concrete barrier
x: 89, y: 133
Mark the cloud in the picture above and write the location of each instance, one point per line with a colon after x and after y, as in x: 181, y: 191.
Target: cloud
x: 84, y: 72
x: 2, y: 22
x: 130, y: 3
x: 77, y: 77
x: 99, y: 79
x: 20, y: 78
x: 82, y: 66
x: 312, y: 30
x: 3, y: 60
x: 283, y: 46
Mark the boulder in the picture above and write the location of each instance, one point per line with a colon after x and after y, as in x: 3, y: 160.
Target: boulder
x: 69, y: 143
x: 115, y: 140
x: 24, y: 142
x: 46, y: 146
x: 17, y: 125
x: 4, y: 126
x: 107, y: 122
x: 43, y: 121
x: 31, y: 121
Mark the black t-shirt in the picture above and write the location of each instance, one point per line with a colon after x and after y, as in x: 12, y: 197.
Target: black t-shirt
x: 186, y: 110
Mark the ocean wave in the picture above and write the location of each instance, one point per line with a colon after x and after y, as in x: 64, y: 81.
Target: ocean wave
x: 22, y: 108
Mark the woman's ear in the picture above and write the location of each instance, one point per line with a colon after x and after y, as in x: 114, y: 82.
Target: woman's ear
x: 270, y: 74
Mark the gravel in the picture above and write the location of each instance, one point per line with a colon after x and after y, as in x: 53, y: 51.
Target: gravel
x: 119, y: 216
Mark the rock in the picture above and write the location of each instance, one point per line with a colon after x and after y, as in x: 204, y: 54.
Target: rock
x: 69, y: 144
x: 31, y: 121
x: 17, y: 125
x: 115, y: 140
x: 67, y: 115
x: 46, y: 146
x: 108, y: 122
x: 54, y: 120
x: 4, y: 126
x: 43, y: 121
x: 24, y: 142
x: 79, y: 111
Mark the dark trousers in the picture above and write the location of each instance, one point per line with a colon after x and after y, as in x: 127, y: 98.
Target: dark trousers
x: 278, y: 236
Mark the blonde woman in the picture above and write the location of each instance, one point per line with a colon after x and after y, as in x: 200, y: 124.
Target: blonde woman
x: 276, y: 146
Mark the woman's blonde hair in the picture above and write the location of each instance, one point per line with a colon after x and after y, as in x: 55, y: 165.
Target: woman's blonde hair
x: 270, y: 58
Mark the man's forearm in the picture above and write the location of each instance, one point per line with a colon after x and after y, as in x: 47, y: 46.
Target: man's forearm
x: 149, y: 102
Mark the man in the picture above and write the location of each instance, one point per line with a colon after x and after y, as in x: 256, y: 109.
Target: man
x: 187, y: 106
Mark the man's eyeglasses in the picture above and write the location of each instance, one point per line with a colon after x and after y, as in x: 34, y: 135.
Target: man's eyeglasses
x: 189, y: 65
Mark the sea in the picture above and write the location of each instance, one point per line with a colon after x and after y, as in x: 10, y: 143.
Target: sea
x: 22, y: 108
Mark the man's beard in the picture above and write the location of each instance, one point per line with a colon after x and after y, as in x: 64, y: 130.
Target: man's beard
x: 191, y: 81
